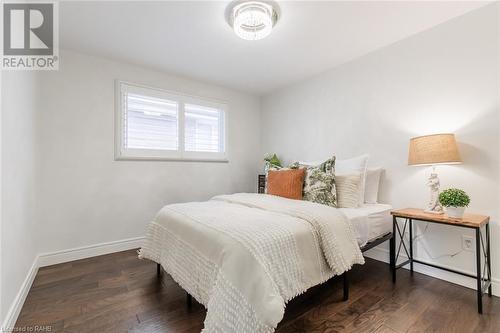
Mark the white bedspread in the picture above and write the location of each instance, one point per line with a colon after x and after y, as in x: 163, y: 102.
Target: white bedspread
x: 244, y: 256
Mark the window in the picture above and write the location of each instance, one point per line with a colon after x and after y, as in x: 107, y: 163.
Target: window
x: 156, y: 124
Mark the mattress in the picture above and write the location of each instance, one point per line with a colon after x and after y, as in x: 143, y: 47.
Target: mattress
x: 370, y: 221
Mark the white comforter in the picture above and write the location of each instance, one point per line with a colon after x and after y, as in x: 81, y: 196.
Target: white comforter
x: 244, y: 256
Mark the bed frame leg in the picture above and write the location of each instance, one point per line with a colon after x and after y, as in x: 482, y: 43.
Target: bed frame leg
x: 189, y: 300
x: 158, y: 270
x: 346, y: 286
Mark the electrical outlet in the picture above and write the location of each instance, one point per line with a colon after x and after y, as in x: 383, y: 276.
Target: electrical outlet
x: 468, y: 243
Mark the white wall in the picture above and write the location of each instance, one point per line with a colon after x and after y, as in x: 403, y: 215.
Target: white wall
x: 441, y: 80
x: 86, y: 197
x: 20, y: 93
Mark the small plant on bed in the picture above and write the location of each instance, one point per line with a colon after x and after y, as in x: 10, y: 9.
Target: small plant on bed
x: 455, y: 201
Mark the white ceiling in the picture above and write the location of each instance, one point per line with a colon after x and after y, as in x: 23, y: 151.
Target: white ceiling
x: 192, y: 39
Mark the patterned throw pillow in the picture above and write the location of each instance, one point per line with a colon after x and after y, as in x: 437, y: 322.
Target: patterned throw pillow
x: 319, y: 183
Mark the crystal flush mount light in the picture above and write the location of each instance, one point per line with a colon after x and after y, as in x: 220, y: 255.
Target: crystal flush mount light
x: 252, y: 20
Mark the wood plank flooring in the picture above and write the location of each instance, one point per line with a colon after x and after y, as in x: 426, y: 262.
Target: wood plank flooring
x: 120, y: 293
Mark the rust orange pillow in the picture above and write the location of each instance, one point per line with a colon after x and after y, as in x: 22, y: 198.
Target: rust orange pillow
x: 286, y: 183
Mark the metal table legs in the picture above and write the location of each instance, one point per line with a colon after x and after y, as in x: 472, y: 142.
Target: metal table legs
x: 483, y: 272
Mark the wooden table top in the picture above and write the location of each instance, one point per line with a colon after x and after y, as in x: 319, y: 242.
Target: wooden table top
x: 468, y: 220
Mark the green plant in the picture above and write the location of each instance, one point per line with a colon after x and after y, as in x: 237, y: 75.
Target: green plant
x: 454, y: 197
x: 273, y: 160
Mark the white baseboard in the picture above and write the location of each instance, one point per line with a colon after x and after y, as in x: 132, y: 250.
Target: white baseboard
x: 58, y: 257
x: 382, y: 254
x: 11, y: 317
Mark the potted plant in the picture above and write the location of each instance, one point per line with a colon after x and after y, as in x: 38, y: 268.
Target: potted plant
x: 455, y: 201
x: 272, y: 162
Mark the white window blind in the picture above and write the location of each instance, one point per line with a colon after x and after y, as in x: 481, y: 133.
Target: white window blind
x: 155, y: 124
x: 204, y: 128
x: 151, y: 123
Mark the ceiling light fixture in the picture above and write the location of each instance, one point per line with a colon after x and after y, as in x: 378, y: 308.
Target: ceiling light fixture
x: 252, y: 20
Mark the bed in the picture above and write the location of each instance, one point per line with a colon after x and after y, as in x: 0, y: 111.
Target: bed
x: 244, y: 256
x: 370, y: 222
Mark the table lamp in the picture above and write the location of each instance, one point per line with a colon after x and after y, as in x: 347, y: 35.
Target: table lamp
x: 431, y: 150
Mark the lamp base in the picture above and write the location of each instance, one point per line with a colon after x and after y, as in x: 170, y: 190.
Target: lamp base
x: 434, y: 207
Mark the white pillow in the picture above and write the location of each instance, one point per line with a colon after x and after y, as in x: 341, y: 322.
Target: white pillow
x: 348, y: 188
x: 354, y: 165
x: 372, y: 184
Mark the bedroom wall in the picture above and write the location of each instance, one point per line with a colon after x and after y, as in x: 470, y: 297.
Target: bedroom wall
x: 19, y: 106
x: 86, y: 197
x: 442, y: 80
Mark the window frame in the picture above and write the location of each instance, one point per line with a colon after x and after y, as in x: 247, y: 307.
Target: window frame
x: 123, y: 153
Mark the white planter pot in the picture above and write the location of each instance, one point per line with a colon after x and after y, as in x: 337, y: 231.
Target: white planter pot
x: 455, y: 212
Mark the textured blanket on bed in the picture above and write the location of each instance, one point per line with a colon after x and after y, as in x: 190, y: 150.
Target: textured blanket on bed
x: 244, y: 256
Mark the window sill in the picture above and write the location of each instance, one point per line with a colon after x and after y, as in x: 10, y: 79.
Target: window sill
x: 171, y: 159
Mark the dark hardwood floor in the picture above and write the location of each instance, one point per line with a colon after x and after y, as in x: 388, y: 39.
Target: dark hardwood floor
x: 120, y: 293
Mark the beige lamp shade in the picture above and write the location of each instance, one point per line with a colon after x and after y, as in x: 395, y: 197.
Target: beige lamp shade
x: 434, y: 149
